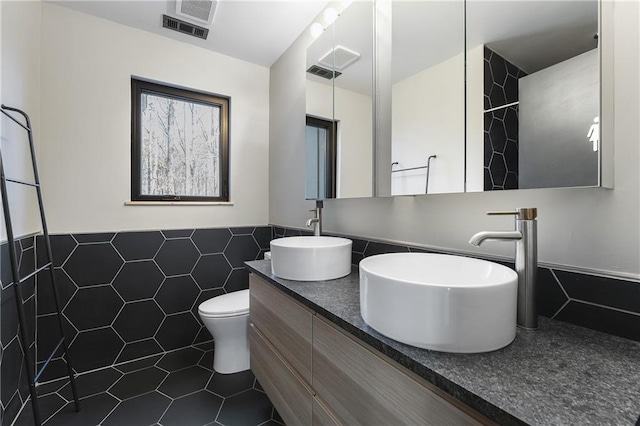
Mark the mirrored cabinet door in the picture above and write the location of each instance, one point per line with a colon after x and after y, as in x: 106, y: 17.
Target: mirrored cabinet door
x: 533, y: 94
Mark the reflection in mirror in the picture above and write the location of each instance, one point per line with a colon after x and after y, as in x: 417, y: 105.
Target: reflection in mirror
x: 427, y: 125
x: 346, y: 48
x: 532, y: 94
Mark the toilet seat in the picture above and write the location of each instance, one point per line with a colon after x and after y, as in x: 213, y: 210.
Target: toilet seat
x: 227, y: 305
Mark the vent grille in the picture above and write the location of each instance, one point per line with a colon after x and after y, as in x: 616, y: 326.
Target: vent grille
x: 184, y: 27
x: 339, y: 58
x: 323, y: 72
x: 199, y: 9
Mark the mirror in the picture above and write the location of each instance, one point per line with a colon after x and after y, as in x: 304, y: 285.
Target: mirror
x: 511, y: 100
x: 533, y: 94
x: 427, y: 97
x: 339, y: 138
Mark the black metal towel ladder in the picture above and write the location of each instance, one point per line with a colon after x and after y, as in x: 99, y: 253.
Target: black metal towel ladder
x: 32, y: 376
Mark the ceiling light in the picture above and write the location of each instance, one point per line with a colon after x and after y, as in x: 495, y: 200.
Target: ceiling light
x: 316, y: 29
x: 330, y: 15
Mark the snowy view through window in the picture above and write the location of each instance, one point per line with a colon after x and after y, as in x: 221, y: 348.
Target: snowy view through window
x: 180, y: 150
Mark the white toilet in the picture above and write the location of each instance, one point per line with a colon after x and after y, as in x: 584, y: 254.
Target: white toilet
x: 227, y: 319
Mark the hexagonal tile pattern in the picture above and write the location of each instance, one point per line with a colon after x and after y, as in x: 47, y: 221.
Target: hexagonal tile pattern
x: 262, y: 235
x: 178, y: 331
x: 95, y: 348
x: 185, y: 381
x: 145, y: 409
x: 61, y: 248
x: 138, y: 320
x: 246, y: 408
x: 177, y: 257
x: 501, y: 125
x: 138, y: 382
x: 138, y: 245
x: 239, y: 280
x: 65, y: 287
x: 240, y: 249
x: 211, y: 271
x: 93, y: 307
x: 177, y: 294
x: 138, y: 280
x: 211, y: 240
x: 84, y: 270
x: 196, y: 409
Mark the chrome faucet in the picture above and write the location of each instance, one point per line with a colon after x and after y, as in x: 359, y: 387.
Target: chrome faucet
x: 526, y: 260
x: 316, y: 220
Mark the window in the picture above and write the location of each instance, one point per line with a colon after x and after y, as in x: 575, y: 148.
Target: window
x: 180, y: 144
x: 320, y: 158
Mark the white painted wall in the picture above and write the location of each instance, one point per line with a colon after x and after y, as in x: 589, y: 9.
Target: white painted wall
x: 428, y: 119
x: 87, y: 64
x: 589, y: 229
x: 354, y: 113
x: 20, y: 88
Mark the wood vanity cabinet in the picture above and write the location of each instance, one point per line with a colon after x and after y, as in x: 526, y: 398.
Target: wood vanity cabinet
x: 316, y: 374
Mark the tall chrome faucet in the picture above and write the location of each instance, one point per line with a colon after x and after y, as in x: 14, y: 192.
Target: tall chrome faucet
x: 316, y: 220
x: 526, y: 238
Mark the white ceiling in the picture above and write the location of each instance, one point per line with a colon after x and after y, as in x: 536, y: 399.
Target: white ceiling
x: 257, y: 31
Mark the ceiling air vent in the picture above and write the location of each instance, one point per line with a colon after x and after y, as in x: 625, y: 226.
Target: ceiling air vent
x: 339, y: 58
x: 323, y: 72
x: 199, y: 11
x: 184, y: 27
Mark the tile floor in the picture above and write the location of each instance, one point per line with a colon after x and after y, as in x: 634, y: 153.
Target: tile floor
x: 177, y: 388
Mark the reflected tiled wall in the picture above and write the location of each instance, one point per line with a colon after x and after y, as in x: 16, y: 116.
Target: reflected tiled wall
x: 500, y: 122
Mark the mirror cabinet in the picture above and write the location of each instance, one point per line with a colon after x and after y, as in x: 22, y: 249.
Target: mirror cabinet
x: 454, y: 96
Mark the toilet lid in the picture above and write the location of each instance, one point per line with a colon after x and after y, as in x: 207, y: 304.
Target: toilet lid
x: 234, y: 303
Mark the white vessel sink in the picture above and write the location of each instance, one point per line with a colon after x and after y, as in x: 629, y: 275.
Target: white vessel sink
x: 311, y: 258
x: 439, y: 302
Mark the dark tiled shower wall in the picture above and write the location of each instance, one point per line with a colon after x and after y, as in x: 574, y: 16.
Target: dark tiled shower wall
x: 500, y: 122
x: 14, y: 387
x: 609, y: 305
x: 128, y: 295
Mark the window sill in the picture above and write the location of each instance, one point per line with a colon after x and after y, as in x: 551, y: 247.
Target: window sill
x: 178, y: 203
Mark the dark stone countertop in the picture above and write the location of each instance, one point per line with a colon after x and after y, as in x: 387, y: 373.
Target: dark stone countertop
x: 559, y: 375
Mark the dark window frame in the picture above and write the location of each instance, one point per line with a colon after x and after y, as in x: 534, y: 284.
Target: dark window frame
x: 331, y: 161
x: 140, y: 86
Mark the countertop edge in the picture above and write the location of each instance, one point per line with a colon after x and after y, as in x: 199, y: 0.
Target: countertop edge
x: 457, y: 391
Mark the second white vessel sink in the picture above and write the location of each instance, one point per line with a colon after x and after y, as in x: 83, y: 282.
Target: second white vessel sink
x: 439, y: 302
x: 311, y: 258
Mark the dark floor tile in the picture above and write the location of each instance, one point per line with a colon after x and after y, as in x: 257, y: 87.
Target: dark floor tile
x: 142, y: 410
x: 271, y: 422
x: 92, y: 383
x: 207, y: 360
x: 182, y: 358
x: 230, y: 384
x: 25, y: 417
x: 248, y: 408
x: 139, y: 349
x: 138, y: 364
x: 138, y: 382
x: 93, y: 410
x: 193, y: 410
x: 276, y: 416
x: 49, y: 405
x: 184, y: 382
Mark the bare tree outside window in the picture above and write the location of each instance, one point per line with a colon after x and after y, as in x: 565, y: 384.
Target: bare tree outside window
x: 179, y: 144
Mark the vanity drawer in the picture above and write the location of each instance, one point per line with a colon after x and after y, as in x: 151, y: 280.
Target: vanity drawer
x: 287, y: 392
x: 322, y: 416
x: 284, y: 322
x: 363, y: 387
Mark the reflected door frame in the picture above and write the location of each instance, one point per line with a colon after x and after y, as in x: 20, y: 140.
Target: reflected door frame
x: 329, y: 154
